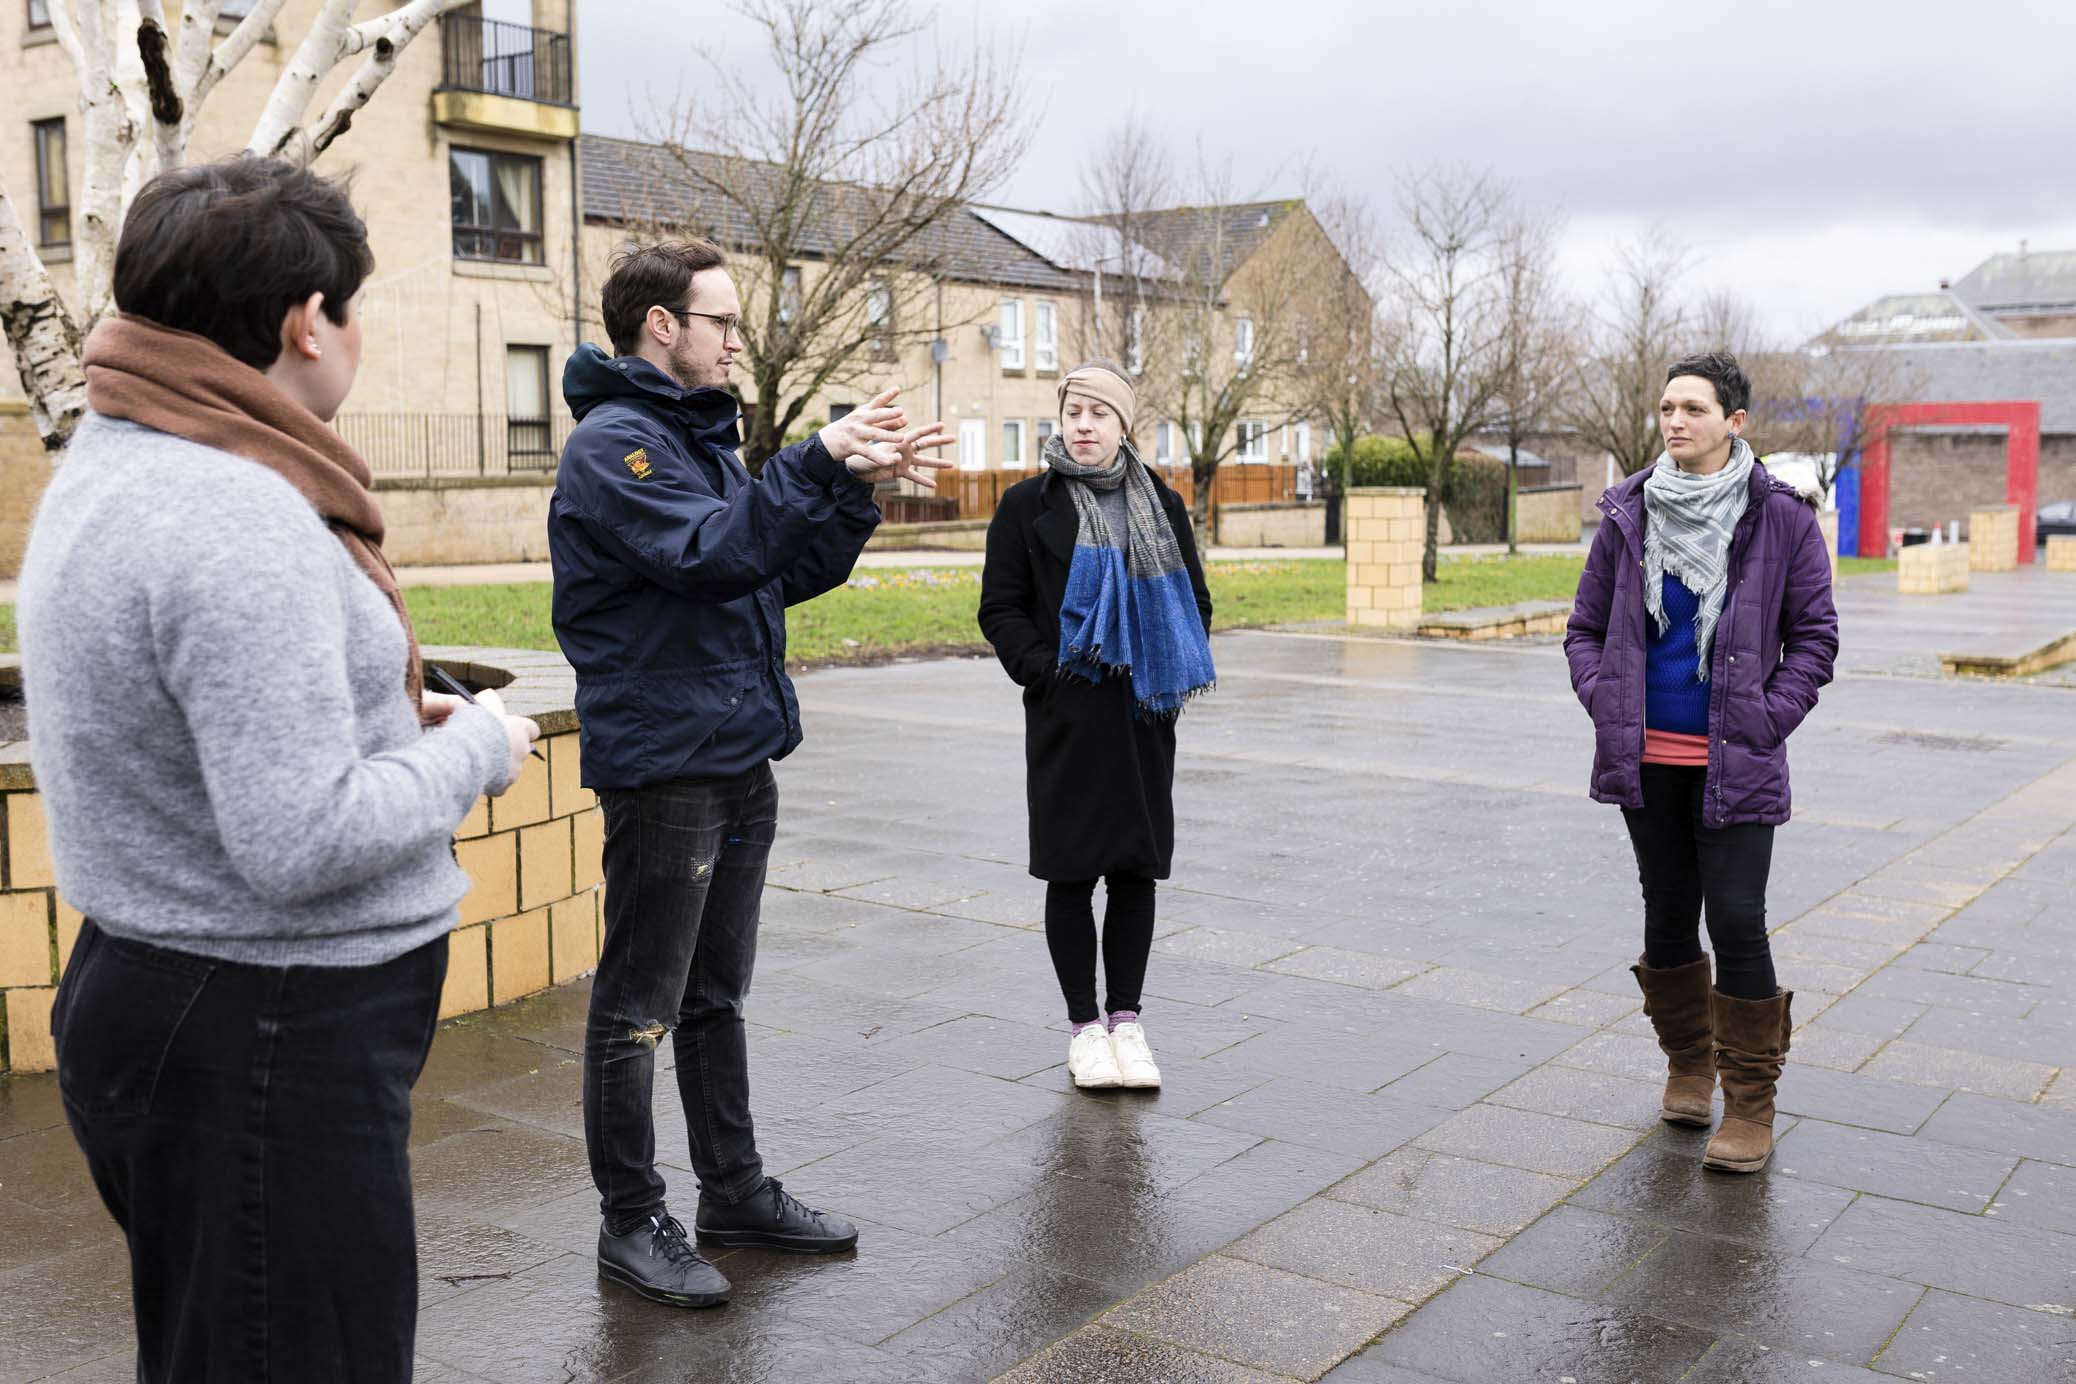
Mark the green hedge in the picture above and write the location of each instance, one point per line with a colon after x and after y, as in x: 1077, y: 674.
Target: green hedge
x: 1477, y: 487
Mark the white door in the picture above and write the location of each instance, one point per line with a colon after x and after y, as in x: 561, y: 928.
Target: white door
x: 973, y: 444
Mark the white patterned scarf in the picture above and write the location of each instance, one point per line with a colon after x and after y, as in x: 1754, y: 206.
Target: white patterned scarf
x: 1688, y: 524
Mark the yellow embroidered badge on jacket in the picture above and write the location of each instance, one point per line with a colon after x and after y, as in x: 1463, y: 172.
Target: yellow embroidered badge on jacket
x: 638, y: 462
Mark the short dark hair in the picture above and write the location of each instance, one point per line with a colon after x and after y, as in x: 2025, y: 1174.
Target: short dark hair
x: 224, y: 249
x: 1719, y: 368
x: 647, y: 276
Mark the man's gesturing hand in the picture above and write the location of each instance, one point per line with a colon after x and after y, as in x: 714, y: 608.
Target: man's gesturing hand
x: 868, y: 439
x: 911, y: 466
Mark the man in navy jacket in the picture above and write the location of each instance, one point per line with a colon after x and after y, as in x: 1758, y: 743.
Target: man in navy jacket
x: 673, y: 568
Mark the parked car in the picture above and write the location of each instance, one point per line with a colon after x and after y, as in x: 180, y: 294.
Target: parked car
x: 2059, y: 517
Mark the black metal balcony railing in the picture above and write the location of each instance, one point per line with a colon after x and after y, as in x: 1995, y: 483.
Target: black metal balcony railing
x: 430, y: 446
x: 502, y: 59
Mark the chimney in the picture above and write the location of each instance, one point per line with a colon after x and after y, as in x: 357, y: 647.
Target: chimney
x: 1945, y: 284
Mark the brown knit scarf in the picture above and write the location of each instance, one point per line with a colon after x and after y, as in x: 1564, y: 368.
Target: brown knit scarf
x: 188, y: 386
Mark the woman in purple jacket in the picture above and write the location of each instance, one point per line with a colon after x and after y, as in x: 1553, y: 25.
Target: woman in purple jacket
x: 1702, y: 631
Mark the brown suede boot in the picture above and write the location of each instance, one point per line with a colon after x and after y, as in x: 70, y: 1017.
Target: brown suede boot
x: 1676, y: 1002
x: 1751, y: 1044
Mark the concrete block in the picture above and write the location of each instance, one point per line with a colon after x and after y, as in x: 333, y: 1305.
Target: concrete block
x: 573, y: 937
x: 1827, y: 524
x: 588, y: 849
x: 525, y: 802
x: 492, y: 864
x: 25, y: 939
x: 468, y: 972
x: 544, y: 863
x: 567, y: 795
x: 2061, y: 552
x: 1933, y: 569
x: 518, y: 956
x: 29, y: 1046
x: 28, y: 843
x: 1993, y: 539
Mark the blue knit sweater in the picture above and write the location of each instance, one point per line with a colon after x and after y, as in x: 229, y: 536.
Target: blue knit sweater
x: 1675, y: 697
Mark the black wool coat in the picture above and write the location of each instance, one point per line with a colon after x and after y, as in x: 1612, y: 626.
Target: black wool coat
x: 1099, y: 778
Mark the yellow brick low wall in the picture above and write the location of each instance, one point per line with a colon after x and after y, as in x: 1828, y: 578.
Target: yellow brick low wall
x: 1993, y: 539
x: 1283, y: 524
x: 1385, y: 536
x: 1827, y: 525
x: 1548, y: 514
x: 2061, y: 552
x: 442, y: 524
x: 532, y: 918
x: 1932, y: 569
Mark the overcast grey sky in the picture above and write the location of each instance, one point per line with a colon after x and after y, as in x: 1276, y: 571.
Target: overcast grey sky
x: 1814, y: 153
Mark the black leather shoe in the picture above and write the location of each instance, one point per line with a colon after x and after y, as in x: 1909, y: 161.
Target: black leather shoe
x: 657, y: 1261
x: 771, y: 1218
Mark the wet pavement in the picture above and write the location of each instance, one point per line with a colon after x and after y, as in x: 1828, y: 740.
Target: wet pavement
x: 1409, y: 1130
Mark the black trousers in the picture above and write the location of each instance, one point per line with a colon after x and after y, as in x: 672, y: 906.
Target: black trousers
x: 247, y: 1128
x: 684, y: 878
x: 1070, y: 935
x: 1688, y: 869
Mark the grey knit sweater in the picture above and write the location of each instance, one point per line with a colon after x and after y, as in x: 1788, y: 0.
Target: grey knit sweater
x: 217, y: 716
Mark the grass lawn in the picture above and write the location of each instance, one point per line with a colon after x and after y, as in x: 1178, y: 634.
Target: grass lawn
x: 929, y: 609
x: 1859, y: 566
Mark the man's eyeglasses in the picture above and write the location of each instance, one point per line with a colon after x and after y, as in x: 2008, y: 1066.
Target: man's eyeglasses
x: 726, y: 322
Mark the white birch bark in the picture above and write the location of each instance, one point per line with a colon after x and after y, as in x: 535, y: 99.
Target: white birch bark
x: 42, y: 333
x: 316, y: 55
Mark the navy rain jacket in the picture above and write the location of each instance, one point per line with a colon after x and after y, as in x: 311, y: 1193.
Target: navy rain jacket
x: 673, y: 569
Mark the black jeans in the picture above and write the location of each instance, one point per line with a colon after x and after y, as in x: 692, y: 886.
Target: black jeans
x: 1683, y: 865
x: 1070, y: 935
x: 684, y: 875
x: 247, y: 1128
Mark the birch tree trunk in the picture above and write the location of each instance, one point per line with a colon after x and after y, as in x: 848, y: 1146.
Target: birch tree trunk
x: 41, y: 332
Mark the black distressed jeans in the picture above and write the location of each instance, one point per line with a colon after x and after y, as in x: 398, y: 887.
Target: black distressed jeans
x: 1686, y: 867
x: 684, y: 875
x: 247, y: 1127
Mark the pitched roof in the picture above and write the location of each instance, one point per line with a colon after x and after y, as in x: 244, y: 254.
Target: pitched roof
x: 2042, y: 369
x: 1903, y: 317
x: 1188, y: 237
x: 2022, y: 283
x: 625, y: 180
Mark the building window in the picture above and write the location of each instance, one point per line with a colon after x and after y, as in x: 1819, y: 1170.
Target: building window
x: 1045, y: 331
x: 1254, y: 440
x: 973, y: 444
x: 840, y: 411
x: 1046, y: 428
x: 789, y: 293
x: 497, y: 206
x: 1164, y: 445
x: 1304, y: 442
x: 1243, y: 342
x: 1012, y: 335
x: 527, y: 443
x: 1013, y: 442
x: 879, y: 316
x: 53, y: 183
x: 39, y: 14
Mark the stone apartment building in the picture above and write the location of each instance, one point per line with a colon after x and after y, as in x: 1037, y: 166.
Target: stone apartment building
x: 492, y: 219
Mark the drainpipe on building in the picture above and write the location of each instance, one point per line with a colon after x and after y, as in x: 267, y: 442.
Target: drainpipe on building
x: 937, y: 351
x: 576, y: 251
x: 482, y: 424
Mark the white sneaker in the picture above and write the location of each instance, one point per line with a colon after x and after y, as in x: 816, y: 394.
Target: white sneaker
x: 1134, y: 1057
x: 1090, y: 1061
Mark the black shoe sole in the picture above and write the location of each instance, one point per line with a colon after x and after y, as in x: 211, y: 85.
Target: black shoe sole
x: 759, y: 1239
x: 614, y: 1274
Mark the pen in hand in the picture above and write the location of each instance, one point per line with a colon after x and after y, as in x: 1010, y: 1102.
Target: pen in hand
x: 447, y: 683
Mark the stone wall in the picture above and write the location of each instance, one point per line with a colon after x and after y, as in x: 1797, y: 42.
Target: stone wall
x: 1939, y: 477
x: 532, y: 917
x: 1548, y: 513
x: 1385, y: 534
x: 434, y: 523
x: 1993, y: 539
x: 1287, y: 524
x: 1932, y: 569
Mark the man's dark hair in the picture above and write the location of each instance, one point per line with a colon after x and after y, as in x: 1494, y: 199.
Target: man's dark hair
x: 651, y: 276
x: 1719, y: 368
x: 224, y: 249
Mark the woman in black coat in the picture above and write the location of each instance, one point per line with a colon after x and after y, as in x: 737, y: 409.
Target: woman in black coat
x: 1099, y: 537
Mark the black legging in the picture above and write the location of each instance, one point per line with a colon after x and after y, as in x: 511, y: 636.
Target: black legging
x: 1683, y: 864
x: 1070, y: 934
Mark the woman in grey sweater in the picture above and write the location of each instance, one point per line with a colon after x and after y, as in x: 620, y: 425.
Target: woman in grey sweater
x: 250, y: 797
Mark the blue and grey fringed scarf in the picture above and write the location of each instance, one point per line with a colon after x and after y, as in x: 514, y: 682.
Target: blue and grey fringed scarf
x: 1129, y: 606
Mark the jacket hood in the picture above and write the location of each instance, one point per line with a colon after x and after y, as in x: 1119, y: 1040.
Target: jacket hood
x: 592, y: 378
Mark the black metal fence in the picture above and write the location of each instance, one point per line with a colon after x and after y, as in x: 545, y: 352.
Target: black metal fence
x: 428, y: 446
x: 502, y: 59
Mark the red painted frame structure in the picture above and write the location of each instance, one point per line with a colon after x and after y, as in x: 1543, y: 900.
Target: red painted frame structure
x: 2021, y: 422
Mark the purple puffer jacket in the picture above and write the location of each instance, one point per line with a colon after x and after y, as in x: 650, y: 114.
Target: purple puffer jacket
x: 1774, y: 647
